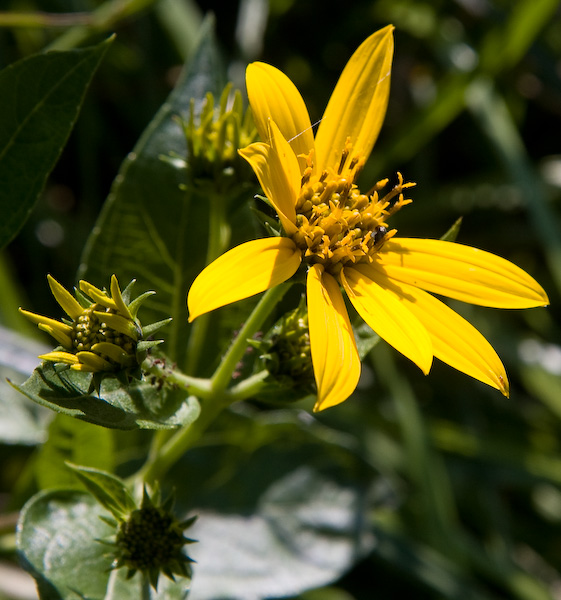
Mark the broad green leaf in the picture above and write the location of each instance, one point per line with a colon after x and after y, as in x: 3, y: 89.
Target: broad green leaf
x: 137, y: 406
x: 56, y: 538
x: 121, y: 588
x: 110, y: 491
x: 74, y: 441
x: 286, y: 511
x: 40, y: 98
x: 152, y: 228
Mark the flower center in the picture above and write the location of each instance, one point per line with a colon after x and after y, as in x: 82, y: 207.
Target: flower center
x: 90, y: 329
x: 150, y: 538
x: 337, y: 223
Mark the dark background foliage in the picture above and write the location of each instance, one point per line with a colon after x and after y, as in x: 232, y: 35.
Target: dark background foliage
x: 475, y: 119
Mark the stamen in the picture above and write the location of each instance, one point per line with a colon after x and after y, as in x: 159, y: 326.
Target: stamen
x: 337, y: 224
x: 344, y: 156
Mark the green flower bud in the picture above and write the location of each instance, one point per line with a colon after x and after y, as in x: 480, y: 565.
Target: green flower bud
x: 285, y: 352
x: 214, y: 133
x: 151, y: 540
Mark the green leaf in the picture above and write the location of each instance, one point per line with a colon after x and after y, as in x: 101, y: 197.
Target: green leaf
x: 110, y: 491
x: 286, y: 511
x: 153, y: 227
x: 136, y: 406
x: 40, y: 98
x: 56, y: 538
x: 121, y: 588
x: 75, y: 441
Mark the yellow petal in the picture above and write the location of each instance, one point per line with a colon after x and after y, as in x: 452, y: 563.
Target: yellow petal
x: 118, y: 323
x: 61, y: 337
x: 387, y: 316
x: 278, y: 173
x: 60, y: 357
x: 273, y: 96
x: 454, y: 340
x: 91, y: 362
x: 69, y: 304
x: 358, y: 104
x: 460, y: 272
x: 51, y: 323
x: 97, y: 295
x: 118, y: 298
x: 115, y: 353
x: 334, y: 353
x: 242, y: 272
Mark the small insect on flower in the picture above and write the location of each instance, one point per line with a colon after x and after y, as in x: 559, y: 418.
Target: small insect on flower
x: 102, y: 334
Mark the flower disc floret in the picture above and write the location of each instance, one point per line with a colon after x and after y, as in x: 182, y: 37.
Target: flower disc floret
x: 338, y: 224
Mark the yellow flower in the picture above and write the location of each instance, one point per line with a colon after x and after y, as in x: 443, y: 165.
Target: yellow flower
x: 341, y: 236
x: 102, y: 335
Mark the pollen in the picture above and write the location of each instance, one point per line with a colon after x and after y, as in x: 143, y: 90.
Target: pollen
x: 336, y: 222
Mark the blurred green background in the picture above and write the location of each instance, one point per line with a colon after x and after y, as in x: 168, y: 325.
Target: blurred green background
x: 475, y: 119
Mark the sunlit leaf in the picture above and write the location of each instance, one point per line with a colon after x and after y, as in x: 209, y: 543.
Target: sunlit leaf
x: 138, y: 405
x: 66, y: 556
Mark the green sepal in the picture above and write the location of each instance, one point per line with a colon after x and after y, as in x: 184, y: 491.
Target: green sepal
x: 137, y: 302
x: 145, y: 345
x: 151, y: 328
x: 110, y: 491
x: 112, y: 523
x: 453, y: 232
x: 271, y: 224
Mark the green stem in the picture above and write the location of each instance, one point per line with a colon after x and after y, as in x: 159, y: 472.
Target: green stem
x: 271, y: 298
x: 156, y: 468
x: 196, y: 386
x: 214, y: 392
x: 218, y: 240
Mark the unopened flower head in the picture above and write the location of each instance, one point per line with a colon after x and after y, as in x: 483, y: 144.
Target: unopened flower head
x: 285, y: 352
x: 214, y: 134
x: 151, y: 540
x: 341, y: 237
x: 102, y: 334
